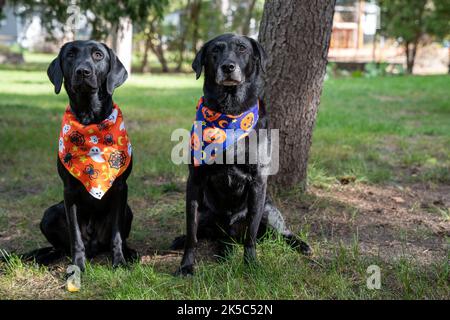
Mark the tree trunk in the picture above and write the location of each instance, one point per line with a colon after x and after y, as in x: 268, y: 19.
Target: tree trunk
x: 123, y: 42
x: 296, y: 35
x: 448, y: 60
x: 410, y: 51
x: 183, y: 35
x: 2, y: 5
x: 159, y: 53
x: 157, y: 49
x: 195, y: 18
x: 248, y: 19
x: 144, y: 64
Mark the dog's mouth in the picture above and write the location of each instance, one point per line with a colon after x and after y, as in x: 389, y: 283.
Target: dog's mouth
x: 230, y: 83
x: 231, y: 79
x: 84, y: 85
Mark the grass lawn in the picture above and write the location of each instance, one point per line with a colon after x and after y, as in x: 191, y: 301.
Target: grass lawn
x: 379, y: 185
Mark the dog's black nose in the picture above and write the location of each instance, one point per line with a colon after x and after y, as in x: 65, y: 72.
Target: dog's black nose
x: 83, y: 71
x: 228, y: 67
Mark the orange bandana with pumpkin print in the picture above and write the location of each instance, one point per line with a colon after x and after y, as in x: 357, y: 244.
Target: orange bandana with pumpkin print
x: 214, y: 132
x: 95, y: 154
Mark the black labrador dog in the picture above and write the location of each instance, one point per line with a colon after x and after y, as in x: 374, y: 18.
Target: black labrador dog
x: 226, y: 201
x: 82, y: 225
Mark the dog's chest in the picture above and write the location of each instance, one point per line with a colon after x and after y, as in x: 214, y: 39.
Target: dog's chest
x: 230, y: 180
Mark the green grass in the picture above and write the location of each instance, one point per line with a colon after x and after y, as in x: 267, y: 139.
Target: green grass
x: 280, y: 274
x: 378, y: 131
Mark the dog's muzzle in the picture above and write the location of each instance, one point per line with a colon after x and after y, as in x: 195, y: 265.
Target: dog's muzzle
x: 229, y: 74
x: 84, y: 79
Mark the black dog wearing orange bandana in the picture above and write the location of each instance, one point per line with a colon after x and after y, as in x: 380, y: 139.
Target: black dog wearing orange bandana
x: 229, y: 201
x: 94, y: 159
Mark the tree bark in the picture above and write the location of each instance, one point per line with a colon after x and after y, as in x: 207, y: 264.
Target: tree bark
x: 296, y: 35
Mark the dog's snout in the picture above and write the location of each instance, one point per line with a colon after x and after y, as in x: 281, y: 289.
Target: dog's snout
x: 228, y: 67
x: 83, y: 71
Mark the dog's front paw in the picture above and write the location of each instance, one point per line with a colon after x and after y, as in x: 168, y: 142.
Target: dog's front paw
x: 184, y: 271
x: 299, y: 245
x: 80, y: 262
x: 131, y: 255
x: 250, y: 255
x: 305, y: 249
x: 118, y: 260
x: 178, y: 243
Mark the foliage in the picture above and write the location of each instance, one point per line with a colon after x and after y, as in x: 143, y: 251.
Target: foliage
x: 439, y: 22
x: 185, y: 22
x: 403, y: 19
x: 101, y: 14
x: 409, y: 20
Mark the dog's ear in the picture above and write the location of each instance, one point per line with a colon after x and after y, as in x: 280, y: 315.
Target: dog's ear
x: 54, y: 72
x: 117, y: 73
x: 260, y: 53
x: 199, y: 61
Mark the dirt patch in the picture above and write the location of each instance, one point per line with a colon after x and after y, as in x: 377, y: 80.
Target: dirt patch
x: 387, y: 221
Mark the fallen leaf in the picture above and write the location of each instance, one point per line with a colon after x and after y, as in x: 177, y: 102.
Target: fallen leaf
x: 398, y: 199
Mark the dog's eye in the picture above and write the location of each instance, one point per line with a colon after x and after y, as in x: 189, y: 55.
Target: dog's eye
x: 242, y: 48
x: 215, y: 50
x: 70, y: 54
x: 97, y: 55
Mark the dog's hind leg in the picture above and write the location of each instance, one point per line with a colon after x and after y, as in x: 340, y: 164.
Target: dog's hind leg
x: 129, y: 253
x: 206, y: 230
x: 54, y: 227
x: 273, y: 219
x: 43, y: 256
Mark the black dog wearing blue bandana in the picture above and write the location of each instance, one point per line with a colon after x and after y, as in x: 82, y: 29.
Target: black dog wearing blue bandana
x: 228, y: 201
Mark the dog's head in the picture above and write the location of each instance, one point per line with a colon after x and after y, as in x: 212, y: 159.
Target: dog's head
x: 230, y: 60
x: 86, y: 67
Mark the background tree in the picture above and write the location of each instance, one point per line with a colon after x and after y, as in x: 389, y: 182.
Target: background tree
x: 410, y: 20
x: 106, y: 18
x: 242, y: 14
x: 153, y: 41
x: 439, y: 23
x: 296, y: 35
x: 104, y: 15
x: 2, y: 5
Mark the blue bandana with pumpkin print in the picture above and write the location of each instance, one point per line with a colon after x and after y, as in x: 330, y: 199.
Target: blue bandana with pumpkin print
x: 213, y: 132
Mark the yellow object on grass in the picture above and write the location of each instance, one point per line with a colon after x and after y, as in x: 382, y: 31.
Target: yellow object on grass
x: 73, y: 282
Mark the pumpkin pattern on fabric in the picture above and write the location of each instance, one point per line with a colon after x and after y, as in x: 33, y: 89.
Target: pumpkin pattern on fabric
x: 223, y: 123
x: 95, y: 154
x: 247, y: 121
x: 211, y: 128
x: 195, y: 142
x: 214, y: 135
x: 210, y: 115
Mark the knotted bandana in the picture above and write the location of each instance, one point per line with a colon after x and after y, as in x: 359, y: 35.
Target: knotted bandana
x: 95, y: 154
x: 213, y: 132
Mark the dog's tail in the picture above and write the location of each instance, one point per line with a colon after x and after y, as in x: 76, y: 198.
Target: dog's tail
x: 178, y: 243
x: 42, y: 256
